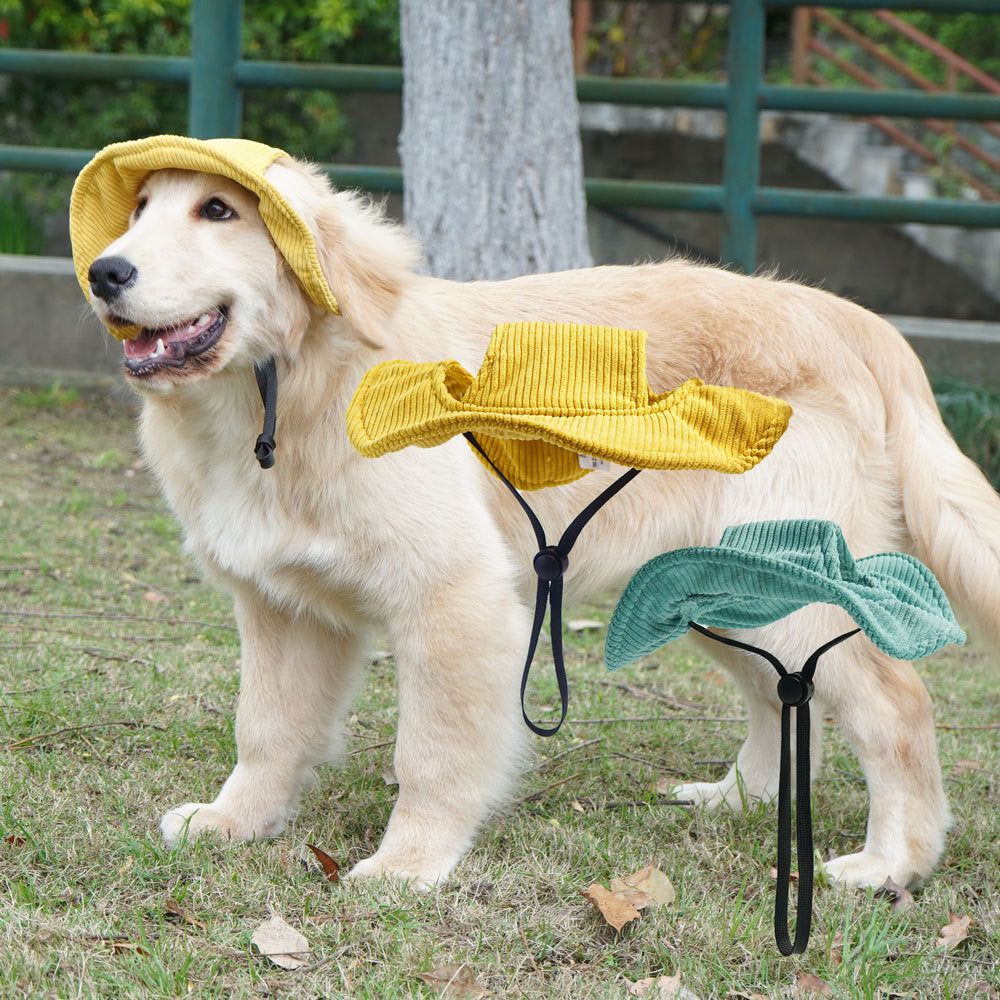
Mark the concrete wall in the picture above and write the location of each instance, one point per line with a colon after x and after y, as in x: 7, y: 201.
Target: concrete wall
x: 48, y: 332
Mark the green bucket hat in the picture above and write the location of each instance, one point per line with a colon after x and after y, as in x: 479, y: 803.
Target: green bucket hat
x: 757, y: 574
x: 761, y: 572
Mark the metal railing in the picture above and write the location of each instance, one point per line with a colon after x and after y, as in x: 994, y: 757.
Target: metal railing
x: 216, y: 74
x: 805, y: 44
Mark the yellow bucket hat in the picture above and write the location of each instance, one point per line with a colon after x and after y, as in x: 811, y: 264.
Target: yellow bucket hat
x: 550, y: 392
x: 105, y: 193
x: 548, y: 399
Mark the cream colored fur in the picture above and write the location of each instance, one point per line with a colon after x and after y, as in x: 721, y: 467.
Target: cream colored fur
x: 326, y: 544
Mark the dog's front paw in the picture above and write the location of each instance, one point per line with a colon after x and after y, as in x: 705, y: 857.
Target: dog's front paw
x: 864, y: 870
x: 419, y: 877
x: 189, y: 821
x: 710, y: 794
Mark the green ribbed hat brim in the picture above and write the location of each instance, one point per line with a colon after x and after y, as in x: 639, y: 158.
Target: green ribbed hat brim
x: 762, y: 572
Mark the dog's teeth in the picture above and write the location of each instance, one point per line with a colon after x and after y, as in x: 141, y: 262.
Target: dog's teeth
x: 203, y: 318
x: 159, y: 346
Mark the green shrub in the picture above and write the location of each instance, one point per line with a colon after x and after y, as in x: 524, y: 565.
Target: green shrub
x: 972, y: 414
x: 42, y: 111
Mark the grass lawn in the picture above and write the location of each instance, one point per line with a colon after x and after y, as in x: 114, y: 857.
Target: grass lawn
x: 118, y: 681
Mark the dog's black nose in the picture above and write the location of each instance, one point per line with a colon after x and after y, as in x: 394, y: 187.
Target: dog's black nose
x: 110, y: 276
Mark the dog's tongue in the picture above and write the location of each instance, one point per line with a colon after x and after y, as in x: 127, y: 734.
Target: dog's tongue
x: 153, y: 343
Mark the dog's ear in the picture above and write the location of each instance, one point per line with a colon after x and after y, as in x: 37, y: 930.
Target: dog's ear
x: 365, y: 258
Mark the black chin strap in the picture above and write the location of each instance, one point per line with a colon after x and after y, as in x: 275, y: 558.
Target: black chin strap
x: 794, y: 690
x: 267, y: 382
x: 550, y: 563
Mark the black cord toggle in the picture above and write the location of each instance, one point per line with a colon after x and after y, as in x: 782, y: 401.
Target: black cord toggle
x: 264, y: 450
x: 267, y: 383
x: 794, y: 690
x: 550, y: 563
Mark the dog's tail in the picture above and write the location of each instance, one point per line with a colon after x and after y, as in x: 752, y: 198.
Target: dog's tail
x: 952, y: 512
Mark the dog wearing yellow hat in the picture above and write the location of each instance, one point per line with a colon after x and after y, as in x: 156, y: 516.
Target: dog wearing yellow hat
x: 228, y: 269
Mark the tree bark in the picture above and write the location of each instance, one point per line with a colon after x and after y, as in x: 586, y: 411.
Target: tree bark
x: 490, y: 146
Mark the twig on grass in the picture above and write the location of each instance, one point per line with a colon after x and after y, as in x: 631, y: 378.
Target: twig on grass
x: 29, y: 740
x: 116, y: 616
x: 52, y: 630
x: 372, y: 746
x: 989, y: 725
x: 339, y: 953
x: 542, y: 791
x: 579, y: 746
x: 646, y: 694
x: 646, y: 760
x: 111, y: 654
x: 607, y: 722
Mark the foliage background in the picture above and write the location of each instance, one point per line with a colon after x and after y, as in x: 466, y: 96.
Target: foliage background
x: 38, y: 111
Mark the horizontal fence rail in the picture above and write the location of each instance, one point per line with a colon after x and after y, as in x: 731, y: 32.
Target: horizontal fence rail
x: 215, y: 75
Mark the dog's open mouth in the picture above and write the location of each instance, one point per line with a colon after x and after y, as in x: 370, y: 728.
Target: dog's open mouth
x: 170, y: 347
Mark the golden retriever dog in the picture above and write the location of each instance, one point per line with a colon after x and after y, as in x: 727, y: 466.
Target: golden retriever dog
x: 428, y: 544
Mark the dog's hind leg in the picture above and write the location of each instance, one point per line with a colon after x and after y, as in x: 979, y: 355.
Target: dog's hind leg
x: 297, y: 678
x: 460, y: 743
x: 754, y: 775
x: 885, y: 710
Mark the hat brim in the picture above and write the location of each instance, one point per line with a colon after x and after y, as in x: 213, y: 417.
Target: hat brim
x: 697, y: 426
x: 105, y: 192
x: 893, y: 597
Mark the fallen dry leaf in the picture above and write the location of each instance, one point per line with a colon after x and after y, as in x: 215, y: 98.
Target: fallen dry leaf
x: 154, y: 597
x: 13, y: 840
x: 583, y: 624
x: 661, y: 988
x: 615, y: 910
x: 330, y: 867
x: 954, y: 933
x: 806, y: 984
x: 666, y: 786
x: 773, y: 873
x: 984, y: 989
x: 902, y: 899
x: 454, y: 981
x: 174, y: 909
x: 740, y: 995
x: 280, y: 943
x: 650, y: 881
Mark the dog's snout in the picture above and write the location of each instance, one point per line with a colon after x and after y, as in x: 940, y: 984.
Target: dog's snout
x: 110, y: 276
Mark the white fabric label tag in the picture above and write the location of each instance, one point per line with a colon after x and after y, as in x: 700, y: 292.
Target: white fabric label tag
x: 589, y: 462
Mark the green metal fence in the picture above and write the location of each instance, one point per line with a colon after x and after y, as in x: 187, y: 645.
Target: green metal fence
x: 216, y: 76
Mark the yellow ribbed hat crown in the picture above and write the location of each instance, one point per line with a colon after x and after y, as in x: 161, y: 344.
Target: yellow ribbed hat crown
x: 549, y: 392
x: 106, y: 190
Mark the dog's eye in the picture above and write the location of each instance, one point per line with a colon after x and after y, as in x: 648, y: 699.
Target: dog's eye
x: 140, y: 207
x: 217, y: 210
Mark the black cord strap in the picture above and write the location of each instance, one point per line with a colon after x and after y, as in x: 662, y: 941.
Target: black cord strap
x: 794, y: 690
x: 550, y: 563
x: 267, y: 382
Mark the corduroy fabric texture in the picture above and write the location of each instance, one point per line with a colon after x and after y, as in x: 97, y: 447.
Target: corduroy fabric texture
x: 549, y: 392
x: 761, y: 572
x: 105, y: 193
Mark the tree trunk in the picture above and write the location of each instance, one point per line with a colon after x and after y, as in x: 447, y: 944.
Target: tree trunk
x: 490, y: 145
